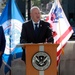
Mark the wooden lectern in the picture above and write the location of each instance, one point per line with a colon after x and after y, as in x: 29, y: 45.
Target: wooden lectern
x: 41, y: 59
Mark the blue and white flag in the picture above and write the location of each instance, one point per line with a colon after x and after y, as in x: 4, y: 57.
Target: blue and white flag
x: 11, y: 20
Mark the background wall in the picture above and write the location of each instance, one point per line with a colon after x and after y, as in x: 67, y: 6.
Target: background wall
x: 67, y: 62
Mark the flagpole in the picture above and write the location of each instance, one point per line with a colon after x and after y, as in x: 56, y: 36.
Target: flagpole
x: 10, y: 72
x: 56, y: 1
x: 61, y: 45
x: 10, y: 49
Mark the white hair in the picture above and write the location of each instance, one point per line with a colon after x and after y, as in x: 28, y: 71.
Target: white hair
x: 34, y: 7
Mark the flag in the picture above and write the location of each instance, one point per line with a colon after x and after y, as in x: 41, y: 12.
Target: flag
x: 61, y: 28
x: 11, y: 20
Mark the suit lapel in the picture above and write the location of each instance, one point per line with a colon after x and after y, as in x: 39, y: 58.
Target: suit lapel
x: 32, y: 30
x: 31, y: 27
x: 40, y: 29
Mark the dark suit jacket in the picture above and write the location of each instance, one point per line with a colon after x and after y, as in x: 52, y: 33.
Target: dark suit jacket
x: 2, y: 43
x: 28, y: 36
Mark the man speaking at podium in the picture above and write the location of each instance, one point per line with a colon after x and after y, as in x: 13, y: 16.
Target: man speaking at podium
x: 35, y: 30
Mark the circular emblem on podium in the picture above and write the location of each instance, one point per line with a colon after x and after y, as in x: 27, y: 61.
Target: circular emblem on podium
x: 41, y: 60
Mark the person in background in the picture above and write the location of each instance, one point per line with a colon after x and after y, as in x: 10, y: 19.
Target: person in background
x: 2, y: 44
x: 35, y: 30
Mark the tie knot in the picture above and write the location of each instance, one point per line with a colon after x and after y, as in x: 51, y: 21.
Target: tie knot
x: 36, y: 23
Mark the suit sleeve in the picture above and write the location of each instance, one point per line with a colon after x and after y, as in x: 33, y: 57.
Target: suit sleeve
x: 49, y: 34
x: 3, y: 41
x: 23, y: 38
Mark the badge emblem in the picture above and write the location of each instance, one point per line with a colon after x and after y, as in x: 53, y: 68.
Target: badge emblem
x: 41, y: 60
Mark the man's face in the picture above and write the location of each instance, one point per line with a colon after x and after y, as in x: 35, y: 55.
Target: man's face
x: 35, y: 15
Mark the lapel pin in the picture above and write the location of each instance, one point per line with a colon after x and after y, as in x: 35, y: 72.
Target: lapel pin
x: 40, y: 25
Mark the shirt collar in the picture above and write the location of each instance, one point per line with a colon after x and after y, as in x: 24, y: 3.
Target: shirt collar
x: 35, y: 22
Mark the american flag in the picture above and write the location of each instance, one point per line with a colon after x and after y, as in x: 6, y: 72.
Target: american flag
x: 62, y: 30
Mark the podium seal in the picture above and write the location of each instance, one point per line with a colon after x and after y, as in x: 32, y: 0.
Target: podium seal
x: 41, y: 60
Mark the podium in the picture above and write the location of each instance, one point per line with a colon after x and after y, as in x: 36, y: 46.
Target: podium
x: 41, y: 59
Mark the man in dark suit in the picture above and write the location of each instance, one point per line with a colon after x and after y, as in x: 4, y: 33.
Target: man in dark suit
x: 28, y: 34
x: 2, y: 44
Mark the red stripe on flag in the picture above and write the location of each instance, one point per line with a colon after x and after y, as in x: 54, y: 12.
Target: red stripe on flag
x: 58, y: 60
x: 47, y: 18
x: 59, y: 52
x: 64, y: 35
